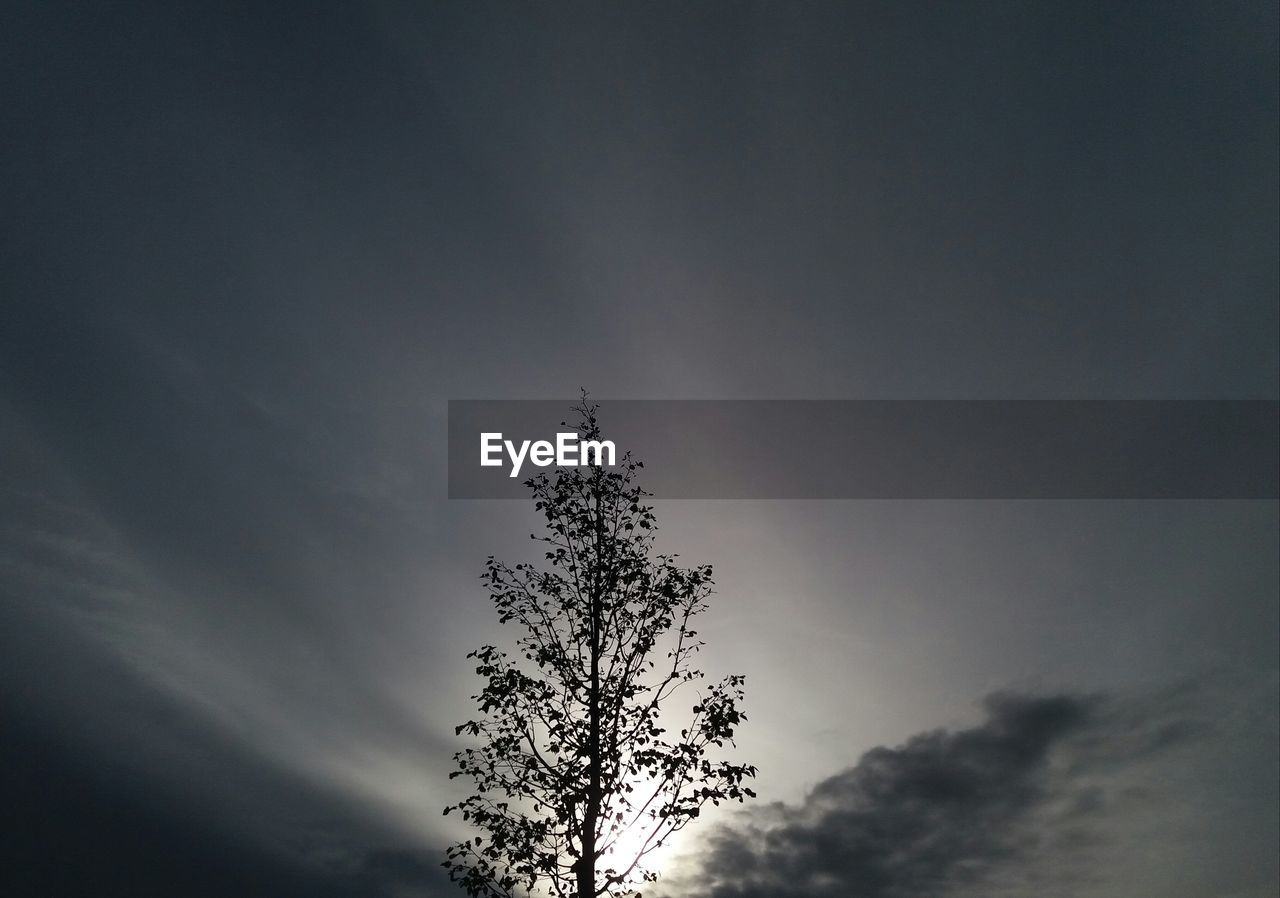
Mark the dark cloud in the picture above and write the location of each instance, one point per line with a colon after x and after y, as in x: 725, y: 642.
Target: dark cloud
x: 79, y: 820
x: 948, y: 810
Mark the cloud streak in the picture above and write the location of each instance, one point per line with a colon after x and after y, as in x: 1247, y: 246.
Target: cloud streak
x: 949, y: 810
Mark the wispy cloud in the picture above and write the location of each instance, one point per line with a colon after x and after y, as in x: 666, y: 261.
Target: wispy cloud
x: 949, y: 811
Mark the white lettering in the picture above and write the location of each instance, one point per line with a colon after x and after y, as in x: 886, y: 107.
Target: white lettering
x: 516, y: 459
x: 567, y: 451
x: 490, y: 444
x: 543, y: 453
x: 598, y: 447
x: 564, y: 447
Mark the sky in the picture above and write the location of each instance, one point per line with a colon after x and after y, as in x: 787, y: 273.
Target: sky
x: 251, y: 251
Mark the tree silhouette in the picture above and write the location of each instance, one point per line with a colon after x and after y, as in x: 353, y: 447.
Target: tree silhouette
x: 577, y: 779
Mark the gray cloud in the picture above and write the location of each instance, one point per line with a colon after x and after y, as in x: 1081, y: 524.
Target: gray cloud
x: 949, y: 811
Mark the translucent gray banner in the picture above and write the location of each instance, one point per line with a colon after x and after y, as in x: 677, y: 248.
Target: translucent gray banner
x: 889, y: 449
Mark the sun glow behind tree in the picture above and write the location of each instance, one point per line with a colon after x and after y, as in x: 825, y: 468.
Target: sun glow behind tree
x: 582, y: 774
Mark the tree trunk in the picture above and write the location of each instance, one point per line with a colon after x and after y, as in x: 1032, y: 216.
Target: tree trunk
x: 591, y: 813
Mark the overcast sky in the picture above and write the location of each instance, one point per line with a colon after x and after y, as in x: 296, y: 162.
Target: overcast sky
x: 249, y: 253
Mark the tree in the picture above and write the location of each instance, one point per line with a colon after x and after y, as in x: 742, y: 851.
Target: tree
x: 577, y: 779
